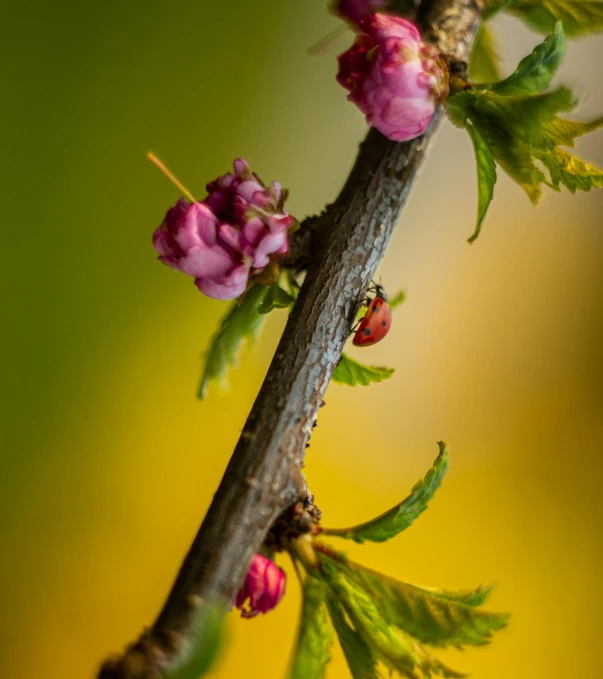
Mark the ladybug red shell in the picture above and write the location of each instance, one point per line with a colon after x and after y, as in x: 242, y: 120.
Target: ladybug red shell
x: 376, y: 322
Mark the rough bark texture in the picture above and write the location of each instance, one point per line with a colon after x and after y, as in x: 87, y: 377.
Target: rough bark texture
x: 263, y: 478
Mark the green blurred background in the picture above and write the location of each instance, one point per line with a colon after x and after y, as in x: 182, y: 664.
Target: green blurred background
x: 109, y: 461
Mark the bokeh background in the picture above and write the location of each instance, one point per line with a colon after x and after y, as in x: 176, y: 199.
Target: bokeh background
x: 108, y: 460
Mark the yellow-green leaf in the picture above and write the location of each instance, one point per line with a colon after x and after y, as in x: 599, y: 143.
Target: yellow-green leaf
x: 358, y: 654
x: 275, y: 298
x: 486, y: 177
x: 400, y: 517
x: 579, y: 17
x: 573, y: 173
x: 471, y: 597
x: 398, y: 299
x: 495, y: 6
x: 386, y: 640
x: 353, y: 373
x: 523, y: 134
x: 535, y: 72
x: 315, y: 636
x: 242, y: 322
x: 425, y: 615
x: 483, y: 64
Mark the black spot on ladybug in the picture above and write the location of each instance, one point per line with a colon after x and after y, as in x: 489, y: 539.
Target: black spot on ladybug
x: 366, y: 332
x: 384, y: 324
x: 376, y: 310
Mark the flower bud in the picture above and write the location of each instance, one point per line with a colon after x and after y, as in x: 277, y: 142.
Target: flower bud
x: 393, y: 77
x: 263, y: 588
x: 229, y: 237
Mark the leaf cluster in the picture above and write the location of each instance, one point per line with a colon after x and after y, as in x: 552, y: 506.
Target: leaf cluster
x: 514, y: 124
x: 579, y: 17
x: 383, y: 623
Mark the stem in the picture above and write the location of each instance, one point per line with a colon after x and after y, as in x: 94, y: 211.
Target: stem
x: 263, y: 478
x: 175, y: 181
x: 322, y: 46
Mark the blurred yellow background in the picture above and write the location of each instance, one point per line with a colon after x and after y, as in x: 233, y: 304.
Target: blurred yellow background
x: 109, y: 461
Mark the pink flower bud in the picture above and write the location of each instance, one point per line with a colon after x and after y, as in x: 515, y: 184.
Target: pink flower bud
x: 263, y: 588
x: 357, y: 10
x: 229, y: 237
x: 393, y: 77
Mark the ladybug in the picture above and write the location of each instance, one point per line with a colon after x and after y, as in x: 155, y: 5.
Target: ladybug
x: 376, y: 322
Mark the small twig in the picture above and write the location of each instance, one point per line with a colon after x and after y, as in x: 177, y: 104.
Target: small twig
x: 263, y: 478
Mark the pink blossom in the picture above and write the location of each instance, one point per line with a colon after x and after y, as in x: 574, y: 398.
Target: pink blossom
x: 357, y: 10
x: 393, y: 77
x: 229, y: 237
x: 263, y: 588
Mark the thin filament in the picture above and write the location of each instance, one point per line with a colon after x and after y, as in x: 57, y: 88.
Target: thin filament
x: 153, y: 158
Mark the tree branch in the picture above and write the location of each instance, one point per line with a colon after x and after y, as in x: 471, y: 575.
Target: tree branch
x: 263, y: 478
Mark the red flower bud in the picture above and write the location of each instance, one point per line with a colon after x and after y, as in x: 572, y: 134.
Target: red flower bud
x: 393, y: 77
x: 263, y: 589
x: 229, y: 237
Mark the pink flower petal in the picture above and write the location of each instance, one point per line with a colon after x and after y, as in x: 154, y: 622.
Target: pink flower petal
x: 240, y: 166
x: 253, y: 192
x: 268, y: 246
x: 253, y: 231
x: 231, y: 236
x: 227, y: 287
x: 164, y: 243
x: 202, y: 261
x: 383, y: 26
x: 398, y: 82
x: 197, y: 227
x: 275, y: 191
x: 263, y: 589
x: 278, y: 223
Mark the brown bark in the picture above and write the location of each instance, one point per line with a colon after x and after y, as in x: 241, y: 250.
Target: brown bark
x: 263, y: 478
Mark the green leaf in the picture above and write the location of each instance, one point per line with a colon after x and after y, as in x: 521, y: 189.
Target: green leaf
x: 401, y: 516
x: 512, y: 128
x: 523, y: 135
x: 573, y: 173
x: 579, y: 17
x: 384, y: 638
x: 495, y: 6
x: 291, y: 282
x: 535, y: 72
x: 201, y: 654
x: 483, y: 66
x: 560, y: 132
x: 458, y: 107
x: 315, y: 634
x: 242, y: 322
x: 427, y: 616
x: 486, y: 177
x: 358, y: 654
x: 471, y: 597
x: 352, y: 373
x: 275, y: 298
x: 398, y: 299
